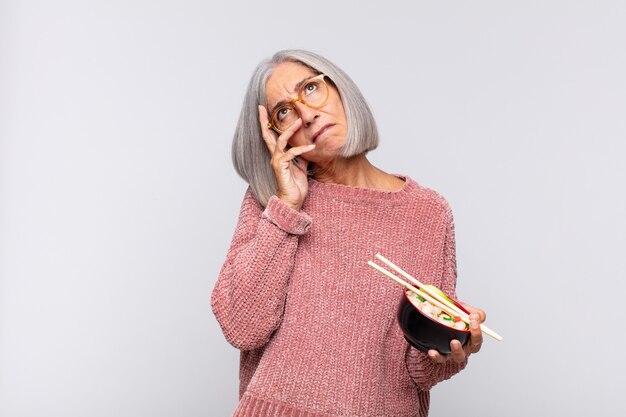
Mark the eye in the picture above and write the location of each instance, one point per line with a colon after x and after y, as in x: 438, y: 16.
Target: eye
x: 282, y: 113
x: 310, y: 88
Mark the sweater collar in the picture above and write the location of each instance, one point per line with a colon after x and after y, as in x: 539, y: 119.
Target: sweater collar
x: 368, y: 195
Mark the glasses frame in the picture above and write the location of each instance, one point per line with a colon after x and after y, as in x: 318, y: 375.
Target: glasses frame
x: 299, y: 98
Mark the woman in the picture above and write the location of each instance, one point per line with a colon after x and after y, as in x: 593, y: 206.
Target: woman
x: 315, y: 325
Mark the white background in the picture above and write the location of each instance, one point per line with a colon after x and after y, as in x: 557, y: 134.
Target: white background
x: 118, y: 199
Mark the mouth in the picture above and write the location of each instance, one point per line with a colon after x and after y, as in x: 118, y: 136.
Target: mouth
x: 320, y: 131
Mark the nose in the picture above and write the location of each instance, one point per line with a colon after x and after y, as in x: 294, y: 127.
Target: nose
x: 307, y: 114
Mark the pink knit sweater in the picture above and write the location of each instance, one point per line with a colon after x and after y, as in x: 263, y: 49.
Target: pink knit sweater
x: 317, y: 326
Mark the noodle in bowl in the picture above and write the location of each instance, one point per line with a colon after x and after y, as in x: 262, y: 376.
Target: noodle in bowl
x: 426, y: 327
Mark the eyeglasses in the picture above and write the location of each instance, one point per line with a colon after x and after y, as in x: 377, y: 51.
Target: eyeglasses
x: 313, y: 93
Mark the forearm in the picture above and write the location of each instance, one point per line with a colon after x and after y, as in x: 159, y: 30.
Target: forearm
x: 249, y: 296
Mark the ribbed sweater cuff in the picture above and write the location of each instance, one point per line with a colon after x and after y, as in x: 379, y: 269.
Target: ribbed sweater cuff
x: 291, y: 221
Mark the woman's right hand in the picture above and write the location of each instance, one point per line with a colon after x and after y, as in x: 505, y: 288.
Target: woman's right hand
x: 290, y: 172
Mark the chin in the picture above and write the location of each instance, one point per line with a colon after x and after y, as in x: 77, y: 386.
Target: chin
x: 334, y: 144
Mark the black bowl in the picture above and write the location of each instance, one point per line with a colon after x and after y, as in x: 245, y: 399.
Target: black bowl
x: 424, y: 333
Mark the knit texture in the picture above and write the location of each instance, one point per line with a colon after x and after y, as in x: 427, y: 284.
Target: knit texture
x: 317, y: 326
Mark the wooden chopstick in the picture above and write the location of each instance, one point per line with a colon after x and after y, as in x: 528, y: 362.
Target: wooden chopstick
x: 417, y: 291
x: 431, y: 295
x: 437, y: 296
x: 419, y: 285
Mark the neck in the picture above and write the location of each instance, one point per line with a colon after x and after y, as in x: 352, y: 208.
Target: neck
x: 356, y: 171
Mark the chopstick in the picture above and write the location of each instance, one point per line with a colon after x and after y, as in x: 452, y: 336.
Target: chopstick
x: 421, y: 286
x: 426, y: 296
x: 426, y: 293
x: 416, y: 290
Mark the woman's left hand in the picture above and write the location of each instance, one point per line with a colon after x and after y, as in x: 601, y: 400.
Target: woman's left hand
x: 460, y: 353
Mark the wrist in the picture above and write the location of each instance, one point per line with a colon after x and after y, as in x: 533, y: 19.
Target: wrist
x: 290, y: 203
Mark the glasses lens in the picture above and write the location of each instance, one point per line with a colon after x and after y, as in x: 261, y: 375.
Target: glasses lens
x: 284, y: 117
x: 314, y: 93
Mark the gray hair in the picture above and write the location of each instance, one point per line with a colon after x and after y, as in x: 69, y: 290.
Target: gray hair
x: 251, y: 157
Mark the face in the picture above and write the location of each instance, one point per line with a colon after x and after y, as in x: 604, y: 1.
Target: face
x: 325, y: 126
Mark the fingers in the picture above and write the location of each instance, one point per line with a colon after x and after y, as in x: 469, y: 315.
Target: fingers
x: 281, y: 142
x: 277, y: 145
x: 292, y: 156
x: 269, y: 136
x: 477, y: 316
x: 476, y: 335
x: 482, y: 316
x: 299, y: 150
x: 436, y: 356
x: 457, y: 353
